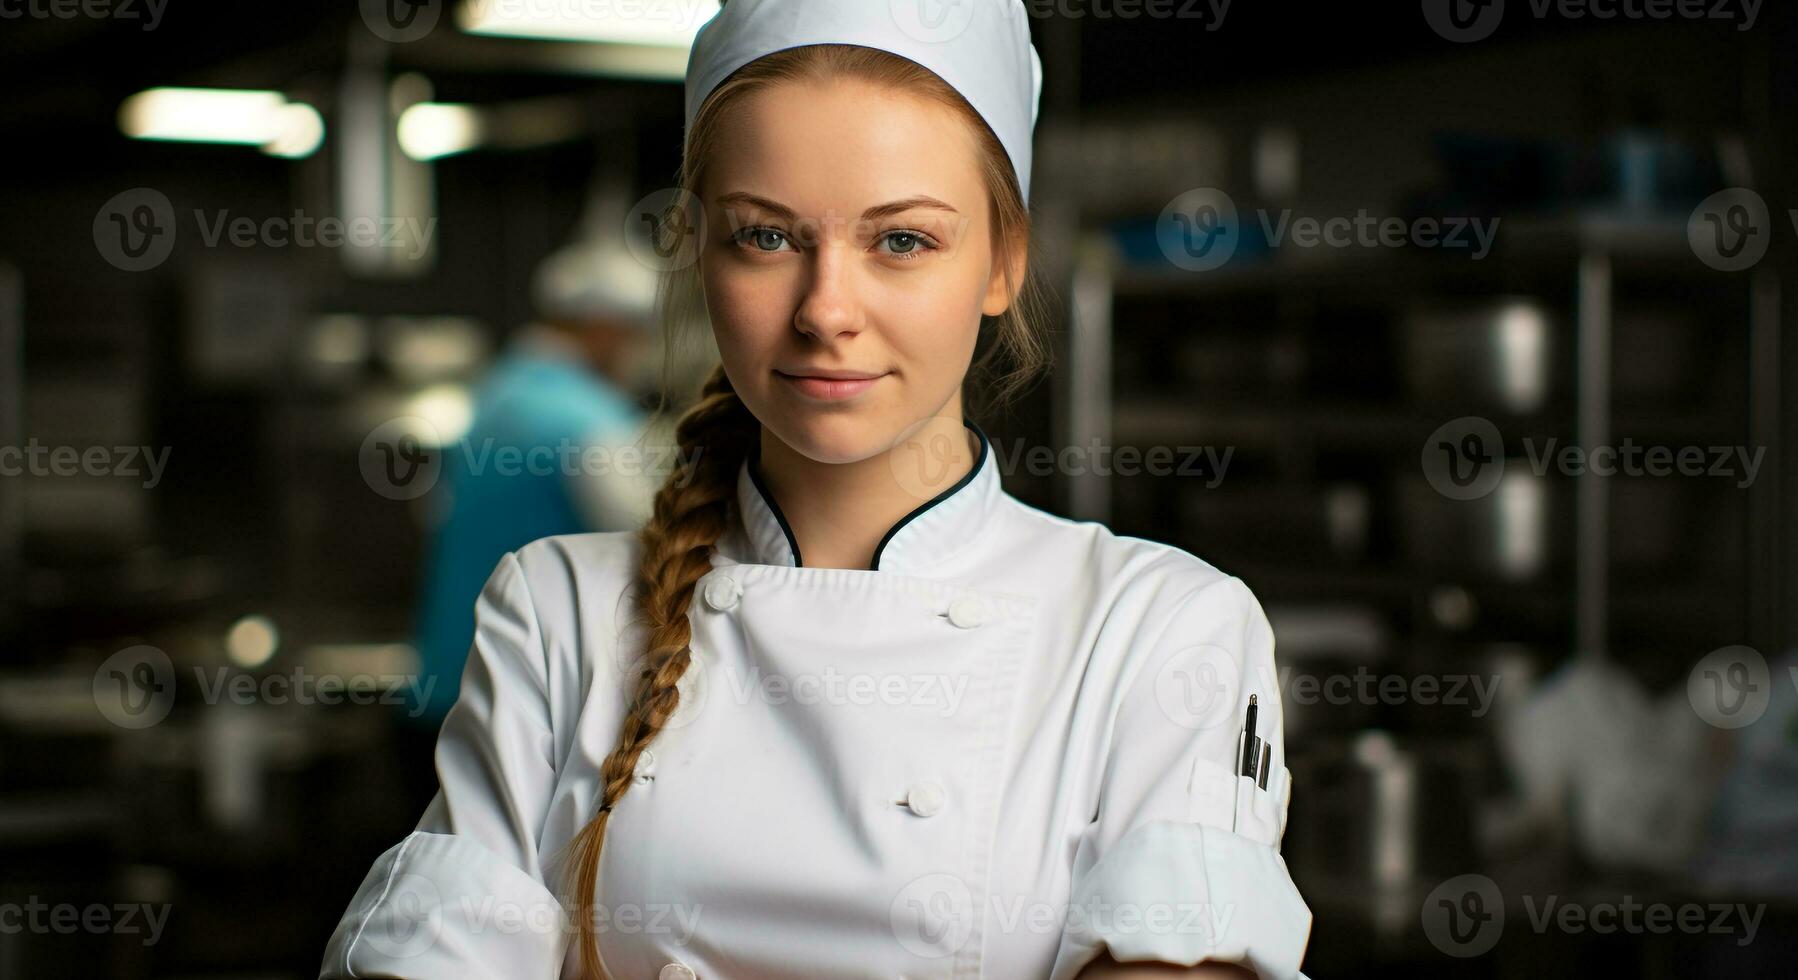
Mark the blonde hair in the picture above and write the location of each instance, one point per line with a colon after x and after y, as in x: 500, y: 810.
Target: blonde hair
x: 697, y: 503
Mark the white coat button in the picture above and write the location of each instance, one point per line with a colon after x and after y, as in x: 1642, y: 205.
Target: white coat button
x: 646, y: 766
x: 722, y: 592
x: 676, y: 971
x: 925, y: 799
x: 967, y: 611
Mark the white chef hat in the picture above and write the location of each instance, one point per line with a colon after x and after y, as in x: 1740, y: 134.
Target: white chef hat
x: 596, y: 277
x: 595, y: 280
x: 980, y: 47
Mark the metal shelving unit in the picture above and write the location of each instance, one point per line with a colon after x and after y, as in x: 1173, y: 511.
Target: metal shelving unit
x: 1589, y: 260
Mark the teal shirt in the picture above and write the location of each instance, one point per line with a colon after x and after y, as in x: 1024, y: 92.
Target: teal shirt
x: 499, y: 497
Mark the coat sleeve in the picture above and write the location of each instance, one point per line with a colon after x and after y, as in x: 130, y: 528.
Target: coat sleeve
x: 463, y: 895
x: 1182, y: 863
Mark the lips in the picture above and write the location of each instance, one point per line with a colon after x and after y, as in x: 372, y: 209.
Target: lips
x: 829, y: 389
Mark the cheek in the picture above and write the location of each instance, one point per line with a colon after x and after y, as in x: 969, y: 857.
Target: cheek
x: 936, y: 318
x: 744, y: 316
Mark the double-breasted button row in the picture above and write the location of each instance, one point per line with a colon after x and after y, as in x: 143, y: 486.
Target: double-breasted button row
x: 723, y: 593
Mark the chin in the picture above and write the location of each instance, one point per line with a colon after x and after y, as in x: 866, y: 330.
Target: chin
x: 839, y: 436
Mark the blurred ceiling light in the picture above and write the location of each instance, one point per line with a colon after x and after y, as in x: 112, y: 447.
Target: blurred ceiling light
x: 671, y: 25
x: 204, y: 115
x: 300, y: 132
x: 429, y: 130
x: 449, y: 408
x: 252, y: 641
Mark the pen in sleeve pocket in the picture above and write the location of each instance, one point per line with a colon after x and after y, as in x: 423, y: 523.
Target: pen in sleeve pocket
x: 1249, y: 761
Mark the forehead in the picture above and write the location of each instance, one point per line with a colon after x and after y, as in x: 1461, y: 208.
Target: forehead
x: 844, y: 144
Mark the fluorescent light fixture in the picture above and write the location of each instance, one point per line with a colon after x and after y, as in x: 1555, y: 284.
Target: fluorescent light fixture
x: 299, y: 131
x: 202, y: 115
x: 670, y: 25
x: 251, y: 117
x: 428, y: 130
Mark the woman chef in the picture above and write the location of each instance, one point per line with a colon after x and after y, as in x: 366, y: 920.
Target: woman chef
x: 844, y: 707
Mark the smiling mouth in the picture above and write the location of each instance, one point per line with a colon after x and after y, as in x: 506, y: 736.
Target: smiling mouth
x: 829, y: 389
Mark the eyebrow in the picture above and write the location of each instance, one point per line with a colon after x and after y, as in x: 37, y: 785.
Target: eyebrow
x: 874, y: 213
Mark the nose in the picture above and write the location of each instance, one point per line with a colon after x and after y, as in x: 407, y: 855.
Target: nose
x: 829, y: 308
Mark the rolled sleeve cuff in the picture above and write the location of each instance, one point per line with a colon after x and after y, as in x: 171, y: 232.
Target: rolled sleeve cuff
x: 1183, y: 893
x: 441, y: 905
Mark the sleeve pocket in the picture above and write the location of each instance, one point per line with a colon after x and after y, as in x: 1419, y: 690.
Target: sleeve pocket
x: 1222, y: 799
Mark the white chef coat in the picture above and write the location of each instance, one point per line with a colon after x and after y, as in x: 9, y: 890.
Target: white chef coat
x: 1007, y: 745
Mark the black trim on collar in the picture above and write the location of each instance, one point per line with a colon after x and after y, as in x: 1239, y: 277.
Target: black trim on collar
x: 755, y: 476
x: 874, y: 566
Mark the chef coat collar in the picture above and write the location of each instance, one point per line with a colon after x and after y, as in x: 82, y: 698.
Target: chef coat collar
x: 932, y: 531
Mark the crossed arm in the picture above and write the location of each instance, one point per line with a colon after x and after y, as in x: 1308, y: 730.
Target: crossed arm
x: 1106, y: 968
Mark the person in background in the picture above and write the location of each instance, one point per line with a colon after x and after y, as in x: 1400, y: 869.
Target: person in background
x: 537, y: 458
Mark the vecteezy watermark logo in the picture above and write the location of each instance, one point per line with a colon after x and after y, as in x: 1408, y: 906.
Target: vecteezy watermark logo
x: 149, y: 11
x: 302, y: 230
x: 1464, y: 21
x: 1209, y: 463
x: 401, y: 21
x: 135, y: 688
x: 42, y: 918
x: 1211, y: 13
x: 36, y: 459
x: 1739, y: 463
x: 1199, y: 230
x: 1196, y: 686
x: 1464, y: 459
x: 1730, y: 230
x: 1731, y: 687
x: 400, y: 459
x: 933, y: 21
x: 1368, y: 688
x: 1464, y: 916
x: 405, y: 918
x: 305, y: 687
x: 939, y: 693
x: 923, y: 458
x: 135, y: 229
x: 666, y: 229
x: 933, y: 915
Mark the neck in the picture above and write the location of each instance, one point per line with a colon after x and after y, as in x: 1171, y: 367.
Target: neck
x: 839, y: 512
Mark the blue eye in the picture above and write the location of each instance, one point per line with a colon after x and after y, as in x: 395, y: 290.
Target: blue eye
x: 904, y: 244
x: 915, y: 244
x: 760, y: 236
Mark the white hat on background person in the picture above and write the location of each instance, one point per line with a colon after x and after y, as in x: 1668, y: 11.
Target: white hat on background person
x: 596, y: 276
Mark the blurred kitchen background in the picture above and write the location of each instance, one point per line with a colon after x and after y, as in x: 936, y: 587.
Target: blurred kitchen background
x: 1508, y: 687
